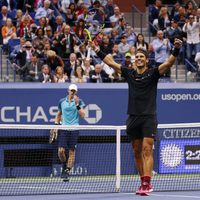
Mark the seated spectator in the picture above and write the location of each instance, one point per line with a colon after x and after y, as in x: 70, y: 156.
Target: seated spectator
x: 181, y: 17
x: 162, y: 49
x: 123, y: 46
x: 82, y: 52
x: 140, y: 42
x: 154, y: 11
x: 16, y: 21
x: 163, y: 19
x: 87, y: 67
x: 59, y: 25
x: 32, y: 69
x: 43, y: 23
x: 70, y: 16
x: 53, y: 61
x: 8, y: 31
x: 44, y: 11
x: 59, y: 76
x: 173, y: 31
x: 4, y: 15
x: 100, y: 15
x: 45, y: 76
x: 118, y: 57
x: 131, y: 36
x: 11, y: 4
x: 17, y: 49
x: 25, y: 54
x: 25, y: 26
x: 78, y: 76
x: 193, y: 40
x: 79, y: 28
x: 121, y: 27
x: 151, y: 55
x: 66, y: 42
x: 98, y: 75
x: 132, y: 52
x: 71, y: 65
x: 114, y: 36
x: 40, y: 38
x: 175, y: 9
x: 117, y: 15
x: 189, y: 8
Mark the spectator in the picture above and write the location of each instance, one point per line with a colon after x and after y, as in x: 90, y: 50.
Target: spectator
x: 154, y: 14
x: 53, y: 60
x: 181, y: 16
x: 17, y: 49
x: 66, y: 42
x: 175, y: 9
x: 8, y: 31
x: 123, y: 46
x: 87, y: 67
x: 163, y: 19
x: 151, y: 54
x: 114, y: 36
x: 162, y: 49
x: 78, y: 76
x: 100, y: 15
x: 59, y: 76
x: 25, y: 26
x: 44, y: 11
x: 25, y: 54
x: 71, y: 65
x: 82, y: 52
x: 189, y: 8
x: 59, y: 25
x: 117, y: 15
x: 98, y: 75
x: 131, y: 36
x: 32, y: 69
x: 4, y: 15
x: 17, y: 20
x: 193, y: 40
x: 40, y: 38
x: 45, y: 76
x: 10, y: 4
x: 117, y: 56
x: 79, y: 28
x: 140, y: 42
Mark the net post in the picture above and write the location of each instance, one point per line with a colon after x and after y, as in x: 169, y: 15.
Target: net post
x: 118, y: 159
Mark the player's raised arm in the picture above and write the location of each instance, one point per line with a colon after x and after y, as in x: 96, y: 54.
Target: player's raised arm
x: 108, y: 59
x: 163, y: 68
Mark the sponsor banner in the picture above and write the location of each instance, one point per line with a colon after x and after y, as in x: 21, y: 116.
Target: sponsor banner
x: 105, y: 105
x: 179, y: 156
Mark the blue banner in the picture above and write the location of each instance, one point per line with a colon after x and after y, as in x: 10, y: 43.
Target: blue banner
x: 106, y: 104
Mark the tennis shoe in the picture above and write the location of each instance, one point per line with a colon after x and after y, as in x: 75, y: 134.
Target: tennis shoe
x: 146, y: 189
x: 138, y: 191
x: 65, y: 175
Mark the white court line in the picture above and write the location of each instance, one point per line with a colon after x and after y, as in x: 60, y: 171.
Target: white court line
x: 177, y: 196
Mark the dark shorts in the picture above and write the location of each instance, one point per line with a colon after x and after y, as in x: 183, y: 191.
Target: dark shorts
x: 138, y: 127
x: 68, y: 139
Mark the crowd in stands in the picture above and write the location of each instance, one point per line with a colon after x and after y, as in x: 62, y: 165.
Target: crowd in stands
x: 47, y: 40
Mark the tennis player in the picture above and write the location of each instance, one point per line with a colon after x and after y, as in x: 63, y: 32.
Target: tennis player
x: 69, y: 110
x: 142, y: 120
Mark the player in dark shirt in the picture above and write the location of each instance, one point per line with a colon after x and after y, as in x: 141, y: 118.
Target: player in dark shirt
x: 142, y: 121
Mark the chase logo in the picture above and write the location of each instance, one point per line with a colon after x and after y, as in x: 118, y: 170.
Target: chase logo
x: 97, y: 113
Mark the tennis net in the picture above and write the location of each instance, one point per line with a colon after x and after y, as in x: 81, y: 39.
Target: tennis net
x: 104, y: 160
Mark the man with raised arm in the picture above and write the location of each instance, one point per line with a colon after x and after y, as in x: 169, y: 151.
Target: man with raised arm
x: 70, y: 109
x: 141, y: 125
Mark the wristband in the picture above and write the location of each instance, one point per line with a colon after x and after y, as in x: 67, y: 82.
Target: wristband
x: 175, y: 52
x: 78, y: 107
x: 101, y: 54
